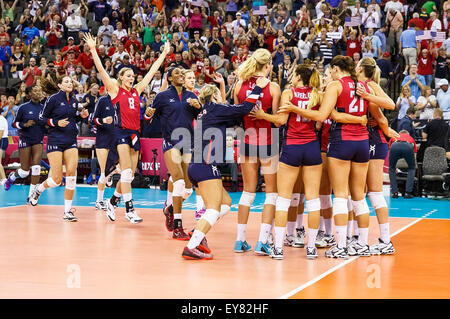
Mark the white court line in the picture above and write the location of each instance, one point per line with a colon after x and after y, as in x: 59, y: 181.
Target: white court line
x: 329, y: 271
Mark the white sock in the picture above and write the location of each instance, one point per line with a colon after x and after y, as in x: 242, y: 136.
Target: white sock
x: 384, y: 233
x: 349, y: 228
x: 312, y: 234
x: 176, y: 216
x: 241, y: 232
x: 290, y: 228
x: 67, y: 205
x: 41, y: 188
x: 31, y: 190
x: 279, y: 236
x: 328, y: 225
x: 100, y: 195
x: 264, y: 232
x: 196, y: 239
x: 355, y: 228
x: 200, y: 203
x: 299, y: 221
x: 341, y: 234
x: 169, y: 200
x: 127, y: 197
x: 321, y: 224
x: 363, y: 238
x: 117, y: 194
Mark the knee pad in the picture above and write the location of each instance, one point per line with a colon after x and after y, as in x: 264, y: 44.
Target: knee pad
x: 102, y: 179
x: 126, y: 176
x: 313, y: 205
x: 360, y: 207
x: 36, y: 170
x: 22, y: 173
x: 283, y: 204
x: 325, y: 201
x: 377, y: 200
x: 271, y: 199
x: 247, y: 199
x: 178, y: 188
x: 224, y: 209
x: 340, y: 206
x: 350, y: 204
x: 211, y: 216
x: 51, y: 182
x: 187, y: 193
x: 295, y: 200
x: 302, y: 199
x: 71, y: 182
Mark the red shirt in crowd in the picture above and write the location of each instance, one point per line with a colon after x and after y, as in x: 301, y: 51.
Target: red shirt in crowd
x: 425, y: 65
x: 53, y: 40
x: 75, y: 48
x: 418, y: 22
x: 238, y: 59
x: 86, y: 60
x: 405, y: 137
x: 137, y: 45
x: 353, y: 46
x: 140, y: 65
x: 30, y: 73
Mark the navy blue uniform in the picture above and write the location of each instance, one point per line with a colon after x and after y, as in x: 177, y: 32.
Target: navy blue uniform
x: 57, y: 108
x: 174, y: 112
x: 105, y: 136
x: 34, y: 134
x: 210, y: 136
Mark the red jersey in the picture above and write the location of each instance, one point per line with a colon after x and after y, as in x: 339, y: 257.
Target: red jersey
x: 325, y: 134
x: 404, y: 137
x: 301, y: 130
x: 127, y: 105
x: 350, y: 103
x: 258, y: 132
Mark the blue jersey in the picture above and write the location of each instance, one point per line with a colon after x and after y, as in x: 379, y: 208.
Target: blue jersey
x: 57, y: 108
x: 175, y: 112
x: 103, y: 108
x: 210, y: 133
x: 26, y: 112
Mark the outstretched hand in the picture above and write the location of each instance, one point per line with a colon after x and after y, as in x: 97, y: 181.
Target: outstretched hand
x: 90, y: 41
x: 166, y: 47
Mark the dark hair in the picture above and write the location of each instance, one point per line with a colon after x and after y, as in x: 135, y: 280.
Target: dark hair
x: 304, y: 35
x: 28, y: 89
x: 346, y: 64
x: 411, y: 110
x: 412, y: 25
x: 50, y: 86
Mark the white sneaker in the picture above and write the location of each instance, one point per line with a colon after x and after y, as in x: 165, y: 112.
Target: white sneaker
x: 100, y: 205
x: 329, y: 240
x: 382, y: 249
x: 311, y: 253
x: 289, y: 240
x: 34, y: 197
x: 358, y: 250
x: 320, y: 242
x: 277, y: 253
x: 299, y: 239
x: 69, y: 216
x: 133, y: 217
x: 110, y: 211
x: 336, y: 252
x: 270, y: 240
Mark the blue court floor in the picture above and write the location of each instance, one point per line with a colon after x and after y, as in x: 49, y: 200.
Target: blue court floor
x: 154, y: 198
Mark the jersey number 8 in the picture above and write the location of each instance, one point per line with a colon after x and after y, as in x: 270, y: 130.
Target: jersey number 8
x: 131, y: 103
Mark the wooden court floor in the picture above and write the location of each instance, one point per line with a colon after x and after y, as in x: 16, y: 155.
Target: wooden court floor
x: 41, y: 256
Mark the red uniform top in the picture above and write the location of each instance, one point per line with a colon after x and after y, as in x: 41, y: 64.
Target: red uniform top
x: 127, y: 105
x: 350, y: 103
x: 258, y: 132
x: 301, y: 130
x: 325, y: 134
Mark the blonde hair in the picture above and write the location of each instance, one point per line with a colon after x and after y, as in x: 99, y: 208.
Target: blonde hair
x: 311, y: 78
x: 207, y: 92
x: 424, y: 89
x: 255, y: 63
x: 371, y: 69
x: 121, y: 73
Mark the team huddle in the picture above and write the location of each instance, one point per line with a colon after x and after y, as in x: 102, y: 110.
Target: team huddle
x: 333, y: 142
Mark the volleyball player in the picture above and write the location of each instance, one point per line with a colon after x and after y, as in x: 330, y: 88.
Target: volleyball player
x: 256, y: 149
x: 203, y: 170
x: 105, y: 139
x: 125, y: 98
x: 31, y: 139
x: 61, y: 114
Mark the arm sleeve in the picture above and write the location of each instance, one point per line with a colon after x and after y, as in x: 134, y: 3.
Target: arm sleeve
x: 233, y: 112
x: 45, y: 115
x: 18, y: 121
x: 96, y: 117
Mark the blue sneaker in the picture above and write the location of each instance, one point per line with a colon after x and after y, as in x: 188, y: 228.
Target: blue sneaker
x: 241, y: 247
x: 262, y: 249
x: 89, y: 179
x: 9, y: 182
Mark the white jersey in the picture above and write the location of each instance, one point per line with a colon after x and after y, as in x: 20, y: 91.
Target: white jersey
x: 3, y: 126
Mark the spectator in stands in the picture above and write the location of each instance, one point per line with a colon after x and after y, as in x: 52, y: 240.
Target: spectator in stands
x: 5, y: 55
x: 385, y: 66
x: 414, y: 81
x: 404, y: 102
x: 436, y: 133
x: 30, y: 72
x: 442, y: 67
x: 100, y: 8
x: 407, y: 122
x: 30, y: 32
x: 403, y: 147
x: 426, y: 104
x: 417, y: 21
x: 443, y: 98
x: 434, y: 24
x: 9, y: 113
x: 105, y: 31
x: 394, y: 22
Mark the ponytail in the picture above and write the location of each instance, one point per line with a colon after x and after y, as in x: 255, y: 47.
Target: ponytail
x: 207, y: 92
x: 311, y: 78
x: 49, y: 86
x: 371, y: 69
x: 346, y: 64
x: 255, y: 63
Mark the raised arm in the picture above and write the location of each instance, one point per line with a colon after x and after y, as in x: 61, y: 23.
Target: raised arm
x: 149, y: 76
x: 379, y: 97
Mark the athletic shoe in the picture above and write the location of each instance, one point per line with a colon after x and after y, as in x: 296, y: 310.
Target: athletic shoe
x: 270, y: 240
x: 336, y: 252
x: 100, y: 205
x: 394, y: 195
x: 110, y: 211
x: 203, y: 246
x: 195, y: 254
x: 289, y: 240
x: 382, y: 249
x: 262, y: 249
x: 179, y: 234
x: 8, y: 183
x: 191, y: 233
x: 358, y: 250
x: 352, y: 240
x: 329, y: 240
x: 168, y: 212
x: 241, y: 246
x: 320, y: 242
x: 277, y: 253
x: 199, y: 214
x: 311, y: 253
x: 407, y: 195
x: 89, y: 179
x: 34, y: 197
x: 299, y: 239
x: 69, y: 216
x: 133, y: 217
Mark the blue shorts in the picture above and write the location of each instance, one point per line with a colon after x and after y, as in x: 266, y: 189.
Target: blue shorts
x: 129, y: 137
x: 60, y: 147
x: 260, y: 151
x: 301, y: 154
x: 4, y: 143
x: 168, y: 145
x: 378, y: 151
x: 199, y: 172
x: 106, y: 141
x: 24, y: 143
x: 355, y: 151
